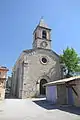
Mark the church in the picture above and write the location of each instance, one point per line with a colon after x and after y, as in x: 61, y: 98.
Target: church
x: 36, y: 66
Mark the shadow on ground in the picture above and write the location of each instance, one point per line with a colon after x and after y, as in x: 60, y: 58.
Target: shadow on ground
x: 49, y: 106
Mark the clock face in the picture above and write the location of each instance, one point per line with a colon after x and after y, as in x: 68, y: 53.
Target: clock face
x: 44, y: 44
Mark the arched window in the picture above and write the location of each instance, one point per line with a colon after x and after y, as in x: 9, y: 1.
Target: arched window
x: 44, y: 35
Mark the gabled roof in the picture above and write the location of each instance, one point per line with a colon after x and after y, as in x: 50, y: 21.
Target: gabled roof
x: 31, y: 50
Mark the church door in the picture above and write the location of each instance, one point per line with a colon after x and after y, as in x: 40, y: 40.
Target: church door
x: 42, y: 89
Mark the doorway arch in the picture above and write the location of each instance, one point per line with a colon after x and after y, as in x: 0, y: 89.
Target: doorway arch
x: 42, y: 89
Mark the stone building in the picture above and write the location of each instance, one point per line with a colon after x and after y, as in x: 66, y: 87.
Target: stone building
x: 3, y: 74
x: 36, y: 66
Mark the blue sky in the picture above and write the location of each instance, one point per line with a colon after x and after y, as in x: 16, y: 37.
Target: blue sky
x: 18, y: 19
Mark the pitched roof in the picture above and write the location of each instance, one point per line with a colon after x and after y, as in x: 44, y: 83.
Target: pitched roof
x: 42, y: 23
x: 62, y: 81
x: 3, y: 68
x: 31, y: 50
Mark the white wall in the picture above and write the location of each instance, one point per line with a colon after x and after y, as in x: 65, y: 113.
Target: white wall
x: 51, y: 93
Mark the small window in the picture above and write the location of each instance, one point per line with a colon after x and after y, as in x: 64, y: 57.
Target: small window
x: 44, y: 60
x: 44, y: 34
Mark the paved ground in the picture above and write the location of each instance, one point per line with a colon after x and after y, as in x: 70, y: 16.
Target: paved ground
x: 35, y: 109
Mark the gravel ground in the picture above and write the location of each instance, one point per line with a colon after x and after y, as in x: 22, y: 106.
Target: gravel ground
x: 36, y: 109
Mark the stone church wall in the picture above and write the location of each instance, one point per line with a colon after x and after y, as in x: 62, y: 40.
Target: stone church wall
x: 34, y: 71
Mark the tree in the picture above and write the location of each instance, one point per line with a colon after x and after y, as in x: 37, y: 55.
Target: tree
x: 71, y: 61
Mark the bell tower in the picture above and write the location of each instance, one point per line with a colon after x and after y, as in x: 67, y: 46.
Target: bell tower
x: 42, y: 36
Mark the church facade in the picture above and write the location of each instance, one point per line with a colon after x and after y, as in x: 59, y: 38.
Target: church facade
x: 36, y: 66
